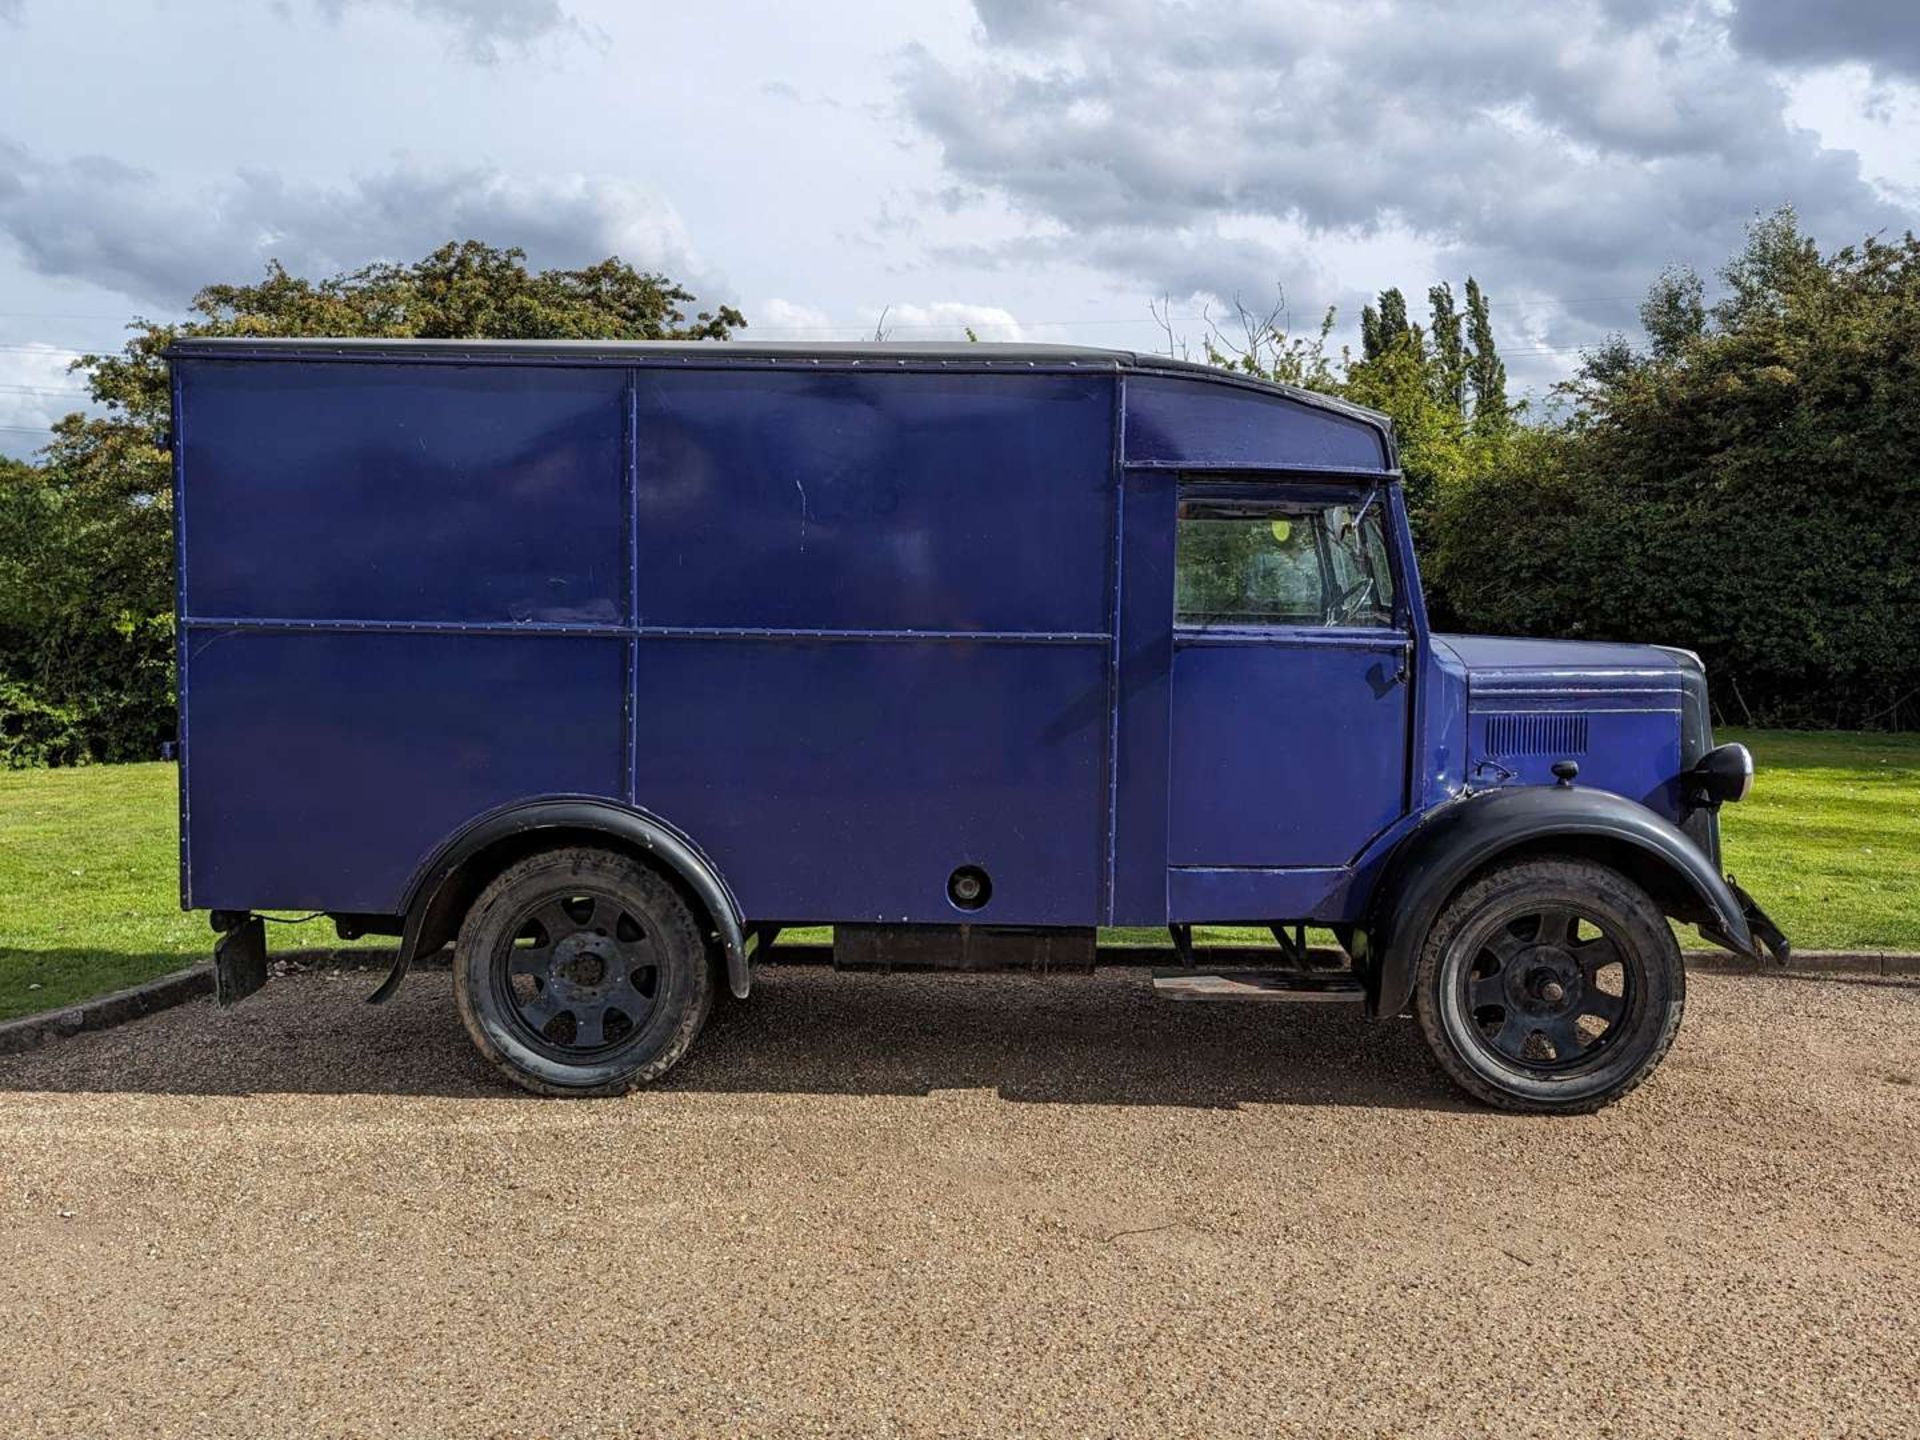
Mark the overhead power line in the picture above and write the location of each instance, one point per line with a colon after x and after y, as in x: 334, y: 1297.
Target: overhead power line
x: 55, y: 350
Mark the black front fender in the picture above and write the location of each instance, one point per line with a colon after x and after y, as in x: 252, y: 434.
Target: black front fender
x: 1464, y: 836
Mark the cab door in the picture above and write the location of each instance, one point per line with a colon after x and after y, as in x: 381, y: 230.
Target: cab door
x: 1292, y: 651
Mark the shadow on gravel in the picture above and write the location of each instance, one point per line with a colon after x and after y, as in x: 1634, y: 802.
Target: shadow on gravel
x: 1062, y: 1040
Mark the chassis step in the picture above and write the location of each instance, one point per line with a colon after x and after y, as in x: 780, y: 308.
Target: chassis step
x: 1323, y: 986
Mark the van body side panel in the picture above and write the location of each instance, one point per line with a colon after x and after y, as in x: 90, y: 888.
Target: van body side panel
x: 402, y: 593
x: 873, y: 642
x: 1288, y: 746
x: 328, y: 765
x: 848, y: 624
x: 861, y: 501
x: 404, y: 492
x: 837, y: 779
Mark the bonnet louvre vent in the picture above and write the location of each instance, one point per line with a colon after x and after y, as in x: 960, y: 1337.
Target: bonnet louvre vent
x: 1555, y: 735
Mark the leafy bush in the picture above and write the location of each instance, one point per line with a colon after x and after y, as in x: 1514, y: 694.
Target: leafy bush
x: 1744, y: 488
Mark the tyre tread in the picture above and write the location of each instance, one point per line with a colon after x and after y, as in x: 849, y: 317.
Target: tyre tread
x: 1546, y: 871
x: 666, y: 907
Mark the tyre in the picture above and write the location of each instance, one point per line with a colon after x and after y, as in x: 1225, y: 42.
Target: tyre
x: 582, y: 972
x: 1551, y: 986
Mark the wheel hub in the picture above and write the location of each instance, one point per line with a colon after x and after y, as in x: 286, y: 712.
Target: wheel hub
x: 585, y: 967
x: 581, y: 974
x: 1544, y: 980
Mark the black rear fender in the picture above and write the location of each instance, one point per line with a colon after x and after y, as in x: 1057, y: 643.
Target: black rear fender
x: 438, y: 898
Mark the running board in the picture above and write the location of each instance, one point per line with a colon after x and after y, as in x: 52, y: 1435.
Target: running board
x: 1319, y: 986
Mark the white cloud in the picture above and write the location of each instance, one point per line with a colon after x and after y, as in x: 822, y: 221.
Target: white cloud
x: 778, y: 319
x: 1046, y: 166
x: 1570, y: 149
x: 126, y: 230
x: 904, y: 321
x: 945, y: 320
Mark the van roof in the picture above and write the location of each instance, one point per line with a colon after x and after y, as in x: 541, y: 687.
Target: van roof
x: 982, y: 354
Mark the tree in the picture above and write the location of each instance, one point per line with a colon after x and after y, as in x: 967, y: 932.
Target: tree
x: 86, y: 609
x: 1404, y: 382
x: 1263, y: 345
x: 1674, y: 314
x: 1486, y: 374
x: 1421, y: 387
x: 86, y: 614
x: 1776, y: 265
x: 1449, y: 350
x: 1420, y: 379
x: 1386, y: 326
x: 1742, y: 485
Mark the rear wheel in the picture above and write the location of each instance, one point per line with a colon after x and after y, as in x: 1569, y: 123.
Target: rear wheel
x: 1550, y: 986
x: 582, y: 972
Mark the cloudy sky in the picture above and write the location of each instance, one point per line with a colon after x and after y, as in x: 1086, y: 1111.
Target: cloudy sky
x: 1038, y: 170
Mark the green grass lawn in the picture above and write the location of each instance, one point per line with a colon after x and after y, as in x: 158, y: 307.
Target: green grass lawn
x: 1829, y: 842
x: 90, y: 886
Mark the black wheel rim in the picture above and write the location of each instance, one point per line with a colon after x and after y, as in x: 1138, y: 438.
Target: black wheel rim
x: 582, y: 975
x: 1549, y: 988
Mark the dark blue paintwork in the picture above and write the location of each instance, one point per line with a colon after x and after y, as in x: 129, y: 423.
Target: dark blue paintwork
x: 846, y: 619
x: 1290, y: 746
x: 1143, y: 687
x: 327, y: 766
x: 847, y: 779
x: 1626, y: 701
x: 403, y: 492
x: 1175, y: 423
x: 850, y: 501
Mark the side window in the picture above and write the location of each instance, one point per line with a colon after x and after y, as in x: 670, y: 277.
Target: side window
x: 1281, y: 563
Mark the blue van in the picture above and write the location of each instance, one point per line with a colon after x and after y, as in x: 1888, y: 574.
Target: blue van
x: 607, y: 662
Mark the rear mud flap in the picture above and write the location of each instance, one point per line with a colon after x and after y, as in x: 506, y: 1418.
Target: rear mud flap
x: 240, y: 962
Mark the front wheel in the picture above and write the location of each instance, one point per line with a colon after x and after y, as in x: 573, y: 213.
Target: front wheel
x: 581, y: 972
x: 1550, y: 986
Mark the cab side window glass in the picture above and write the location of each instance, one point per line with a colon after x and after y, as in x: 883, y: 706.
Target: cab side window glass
x: 1271, y: 564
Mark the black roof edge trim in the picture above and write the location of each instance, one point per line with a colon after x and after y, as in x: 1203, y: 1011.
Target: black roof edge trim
x: 971, y: 354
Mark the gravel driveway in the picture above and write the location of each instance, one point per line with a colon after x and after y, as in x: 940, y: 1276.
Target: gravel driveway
x: 959, y: 1206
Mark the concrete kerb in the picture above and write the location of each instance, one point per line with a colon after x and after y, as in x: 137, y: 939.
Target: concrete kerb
x: 29, y: 1032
